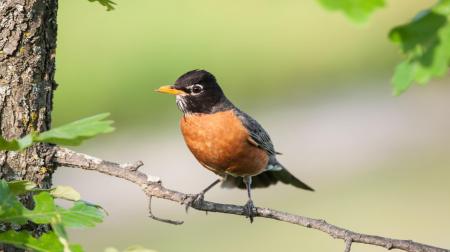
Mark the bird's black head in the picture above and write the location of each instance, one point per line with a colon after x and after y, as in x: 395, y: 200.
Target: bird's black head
x: 197, y: 91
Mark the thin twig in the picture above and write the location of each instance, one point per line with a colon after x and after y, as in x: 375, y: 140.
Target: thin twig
x: 348, y: 244
x: 152, y: 188
x: 151, y: 215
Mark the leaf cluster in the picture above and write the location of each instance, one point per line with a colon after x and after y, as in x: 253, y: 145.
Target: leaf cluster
x: 425, y: 40
x: 426, y: 43
x: 14, y: 214
x: 73, y: 133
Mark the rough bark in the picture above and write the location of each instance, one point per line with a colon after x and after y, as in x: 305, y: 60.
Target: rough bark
x: 27, y: 66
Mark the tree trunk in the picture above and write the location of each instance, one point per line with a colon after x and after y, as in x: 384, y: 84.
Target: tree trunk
x: 27, y: 66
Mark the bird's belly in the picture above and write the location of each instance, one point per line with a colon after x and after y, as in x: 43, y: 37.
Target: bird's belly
x: 220, y: 143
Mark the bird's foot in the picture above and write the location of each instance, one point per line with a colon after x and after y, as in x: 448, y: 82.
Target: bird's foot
x: 197, y: 198
x: 249, y: 210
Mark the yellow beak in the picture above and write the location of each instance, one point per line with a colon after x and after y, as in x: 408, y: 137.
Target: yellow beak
x: 170, y: 90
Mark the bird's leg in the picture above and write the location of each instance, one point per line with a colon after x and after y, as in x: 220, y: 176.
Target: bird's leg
x: 249, y: 207
x: 200, y: 196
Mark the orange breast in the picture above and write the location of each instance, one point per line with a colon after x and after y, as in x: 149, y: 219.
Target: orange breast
x: 220, y: 143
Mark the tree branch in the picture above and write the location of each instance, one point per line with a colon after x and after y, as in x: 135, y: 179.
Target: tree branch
x: 153, y: 187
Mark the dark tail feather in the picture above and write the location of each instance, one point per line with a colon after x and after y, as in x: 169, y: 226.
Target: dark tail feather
x: 267, y: 179
x: 286, y: 177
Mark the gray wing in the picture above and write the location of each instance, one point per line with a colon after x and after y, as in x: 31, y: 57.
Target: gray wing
x: 258, y: 136
x: 275, y: 171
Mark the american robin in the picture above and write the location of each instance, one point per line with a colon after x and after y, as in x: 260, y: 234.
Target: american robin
x: 224, y: 139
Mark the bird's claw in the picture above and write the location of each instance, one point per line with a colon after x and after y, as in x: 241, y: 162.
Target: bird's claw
x: 194, y: 198
x: 249, y: 210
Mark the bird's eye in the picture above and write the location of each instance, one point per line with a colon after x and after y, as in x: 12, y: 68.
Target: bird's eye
x: 197, y: 88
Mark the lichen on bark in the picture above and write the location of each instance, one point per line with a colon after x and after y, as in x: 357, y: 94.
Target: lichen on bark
x: 27, y: 66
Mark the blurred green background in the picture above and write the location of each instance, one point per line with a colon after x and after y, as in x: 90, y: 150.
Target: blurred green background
x: 317, y: 82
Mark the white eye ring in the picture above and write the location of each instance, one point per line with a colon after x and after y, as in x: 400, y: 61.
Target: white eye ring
x: 196, y: 88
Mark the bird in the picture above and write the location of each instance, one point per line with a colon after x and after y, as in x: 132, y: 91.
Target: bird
x: 225, y: 140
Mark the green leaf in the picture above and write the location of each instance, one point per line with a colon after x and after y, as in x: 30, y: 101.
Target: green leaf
x: 82, y: 215
x: 60, y: 231
x: 11, y: 209
x: 426, y: 43
x: 356, y: 10
x: 442, y: 7
x: 65, y: 192
x: 19, y: 187
x: 76, y: 132
x: 107, y: 3
x: 70, y: 134
x: 76, y: 248
x: 14, y: 144
x: 46, y: 243
x: 45, y: 212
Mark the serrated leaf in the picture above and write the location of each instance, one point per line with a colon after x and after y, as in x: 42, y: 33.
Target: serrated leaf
x: 81, y: 215
x: 65, y: 192
x: 14, y: 212
x: 100, y: 208
x: 19, y: 187
x: 107, y: 3
x: 73, y: 133
x: 44, y: 210
x: 76, y: 132
x: 426, y: 43
x: 356, y: 10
